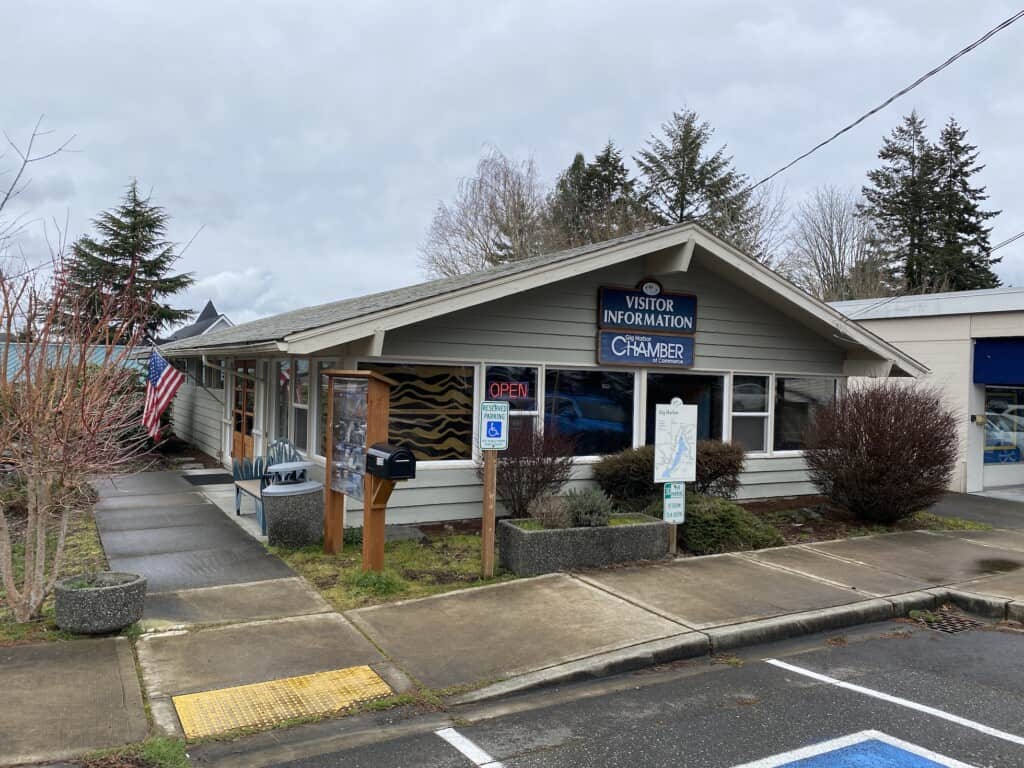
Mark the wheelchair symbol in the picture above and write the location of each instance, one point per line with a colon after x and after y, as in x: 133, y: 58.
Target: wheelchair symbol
x: 494, y: 429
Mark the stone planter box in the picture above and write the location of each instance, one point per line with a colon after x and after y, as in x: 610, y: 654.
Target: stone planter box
x: 531, y: 553
x: 294, y: 514
x: 96, y: 603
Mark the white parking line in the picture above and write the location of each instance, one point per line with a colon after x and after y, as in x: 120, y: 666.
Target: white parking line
x: 470, y: 750
x: 987, y: 730
x: 834, y: 745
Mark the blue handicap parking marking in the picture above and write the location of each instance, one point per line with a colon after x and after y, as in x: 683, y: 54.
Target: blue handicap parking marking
x: 494, y: 429
x: 867, y: 749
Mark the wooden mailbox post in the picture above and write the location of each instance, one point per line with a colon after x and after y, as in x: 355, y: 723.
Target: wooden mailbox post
x: 357, y: 416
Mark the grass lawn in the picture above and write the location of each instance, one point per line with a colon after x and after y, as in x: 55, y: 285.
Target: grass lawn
x: 82, y: 553
x: 437, y: 564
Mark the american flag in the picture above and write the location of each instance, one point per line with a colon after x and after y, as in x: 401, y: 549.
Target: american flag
x: 161, y: 384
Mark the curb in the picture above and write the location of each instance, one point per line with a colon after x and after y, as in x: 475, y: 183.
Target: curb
x: 707, y: 642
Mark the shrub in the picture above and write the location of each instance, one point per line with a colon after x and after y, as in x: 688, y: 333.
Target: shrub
x: 718, y: 468
x: 716, y: 525
x: 532, y: 466
x: 628, y: 476
x: 551, y: 511
x: 883, y: 452
x: 589, y: 508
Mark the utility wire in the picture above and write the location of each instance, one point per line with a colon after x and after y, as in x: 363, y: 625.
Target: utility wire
x: 1007, y: 241
x: 962, y: 52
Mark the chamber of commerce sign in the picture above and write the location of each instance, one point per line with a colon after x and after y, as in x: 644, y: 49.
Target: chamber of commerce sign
x: 647, y: 309
x: 623, y: 348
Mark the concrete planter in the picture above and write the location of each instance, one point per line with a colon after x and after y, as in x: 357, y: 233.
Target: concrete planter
x: 96, y: 603
x: 531, y: 553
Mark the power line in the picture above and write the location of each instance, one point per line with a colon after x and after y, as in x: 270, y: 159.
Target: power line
x: 1007, y: 241
x: 891, y: 99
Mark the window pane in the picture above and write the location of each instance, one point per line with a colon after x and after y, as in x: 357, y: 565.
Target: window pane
x: 1004, y: 425
x: 592, y: 408
x: 750, y: 394
x: 321, y: 406
x: 706, y: 392
x: 283, y: 377
x: 301, y: 392
x: 796, y: 400
x: 431, y: 409
x: 513, y: 383
x: 749, y: 431
x: 301, y: 416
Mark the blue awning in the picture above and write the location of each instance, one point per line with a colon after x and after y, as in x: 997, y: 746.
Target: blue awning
x: 999, y: 361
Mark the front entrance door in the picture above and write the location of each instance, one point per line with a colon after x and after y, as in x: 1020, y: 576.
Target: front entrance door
x: 243, y: 408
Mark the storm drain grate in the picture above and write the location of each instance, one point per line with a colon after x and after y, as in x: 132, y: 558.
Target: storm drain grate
x: 947, y: 619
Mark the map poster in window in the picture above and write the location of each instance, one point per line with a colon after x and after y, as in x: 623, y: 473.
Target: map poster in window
x: 675, y: 442
x: 348, y: 459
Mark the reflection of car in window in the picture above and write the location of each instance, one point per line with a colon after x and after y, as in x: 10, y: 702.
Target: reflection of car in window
x: 596, y: 424
x: 1001, y: 438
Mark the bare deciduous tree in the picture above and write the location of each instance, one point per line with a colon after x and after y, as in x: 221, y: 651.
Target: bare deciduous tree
x: 764, y: 236
x: 496, y: 218
x: 829, y: 253
x: 70, y: 407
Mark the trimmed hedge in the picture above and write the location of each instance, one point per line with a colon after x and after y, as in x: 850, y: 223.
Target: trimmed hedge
x: 715, y: 525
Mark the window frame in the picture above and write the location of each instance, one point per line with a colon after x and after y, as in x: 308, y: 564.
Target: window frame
x: 769, y: 424
x: 838, y: 382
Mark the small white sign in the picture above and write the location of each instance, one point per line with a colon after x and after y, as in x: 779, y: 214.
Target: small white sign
x: 675, y: 442
x: 493, y: 425
x: 675, y: 503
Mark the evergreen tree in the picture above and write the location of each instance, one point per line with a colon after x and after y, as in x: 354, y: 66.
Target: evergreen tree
x: 900, y: 203
x: 129, y: 263
x: 930, y: 231
x: 594, y: 201
x: 963, y: 261
x: 681, y: 180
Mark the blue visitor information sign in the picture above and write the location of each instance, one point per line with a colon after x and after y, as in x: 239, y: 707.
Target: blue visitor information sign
x: 647, y: 309
x: 623, y: 348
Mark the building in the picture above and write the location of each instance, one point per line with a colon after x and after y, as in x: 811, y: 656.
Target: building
x: 585, y: 341
x: 209, y: 320
x: 973, y: 342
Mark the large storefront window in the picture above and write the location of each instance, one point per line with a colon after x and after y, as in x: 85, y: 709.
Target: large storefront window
x: 431, y: 409
x: 1004, y: 425
x: 516, y: 385
x: 282, y: 398
x: 796, y: 399
x: 703, y: 391
x: 594, y: 409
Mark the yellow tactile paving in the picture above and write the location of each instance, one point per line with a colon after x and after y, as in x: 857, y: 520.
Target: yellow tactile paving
x: 264, y: 704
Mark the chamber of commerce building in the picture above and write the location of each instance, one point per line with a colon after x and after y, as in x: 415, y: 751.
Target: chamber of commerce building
x: 584, y: 342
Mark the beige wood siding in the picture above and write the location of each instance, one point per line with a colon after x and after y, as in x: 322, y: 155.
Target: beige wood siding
x: 558, y: 324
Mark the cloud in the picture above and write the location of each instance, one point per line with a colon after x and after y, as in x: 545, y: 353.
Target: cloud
x: 311, y: 142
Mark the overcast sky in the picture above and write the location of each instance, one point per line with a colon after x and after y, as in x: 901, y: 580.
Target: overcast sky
x: 313, y: 141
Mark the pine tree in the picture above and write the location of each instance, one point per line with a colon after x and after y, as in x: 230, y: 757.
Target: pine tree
x: 963, y: 261
x: 594, y: 201
x: 129, y: 263
x: 900, y: 203
x: 682, y: 181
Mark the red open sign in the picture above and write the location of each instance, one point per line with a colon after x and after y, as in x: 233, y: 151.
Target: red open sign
x: 508, y: 390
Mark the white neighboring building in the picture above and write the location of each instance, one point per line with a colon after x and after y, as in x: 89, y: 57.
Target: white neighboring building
x: 973, y: 342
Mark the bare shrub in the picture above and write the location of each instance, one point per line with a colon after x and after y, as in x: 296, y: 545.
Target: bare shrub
x: 883, y: 452
x: 551, y: 511
x: 533, y: 465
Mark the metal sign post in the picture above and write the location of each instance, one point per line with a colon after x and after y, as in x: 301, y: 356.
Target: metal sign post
x: 493, y: 438
x: 675, y: 459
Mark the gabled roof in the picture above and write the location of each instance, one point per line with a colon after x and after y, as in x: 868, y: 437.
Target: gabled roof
x: 207, y: 321
x: 310, y: 329
x: 976, y: 302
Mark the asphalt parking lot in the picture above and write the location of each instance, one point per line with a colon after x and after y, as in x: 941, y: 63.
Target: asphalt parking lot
x: 884, y: 695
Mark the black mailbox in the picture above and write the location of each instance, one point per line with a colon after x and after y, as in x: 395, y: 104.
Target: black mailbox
x: 391, y: 462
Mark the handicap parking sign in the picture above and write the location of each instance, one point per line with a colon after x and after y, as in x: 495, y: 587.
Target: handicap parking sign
x: 494, y: 418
